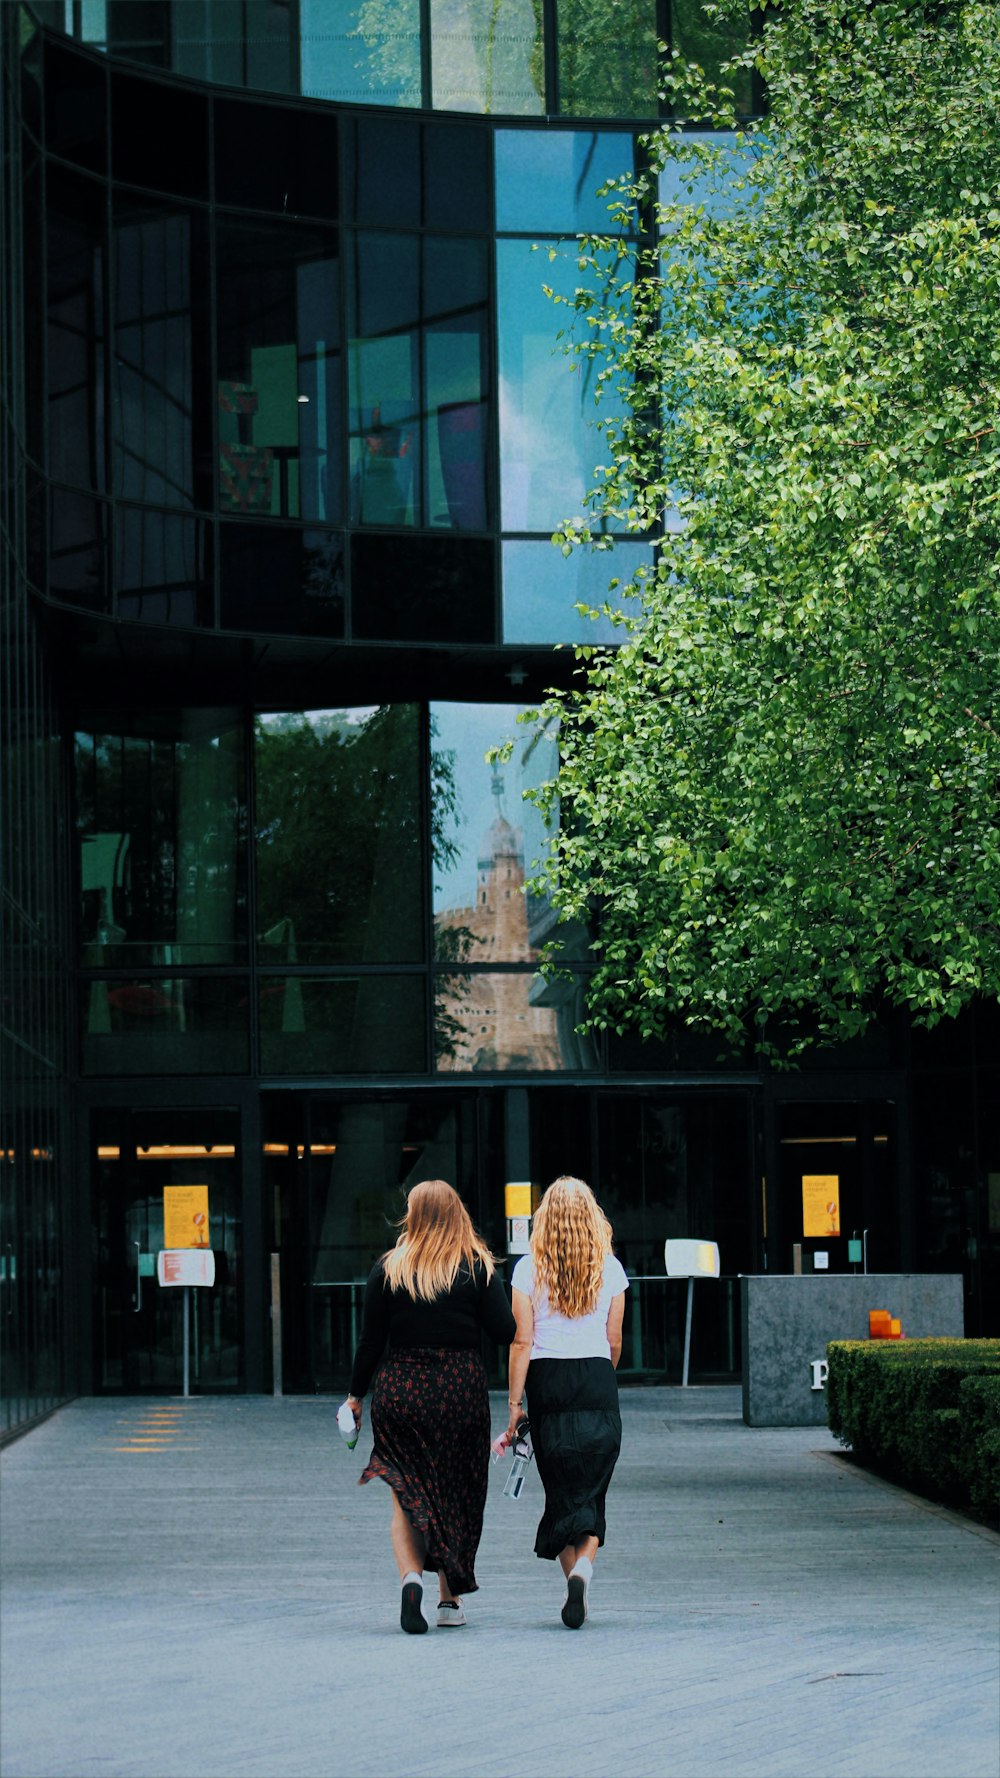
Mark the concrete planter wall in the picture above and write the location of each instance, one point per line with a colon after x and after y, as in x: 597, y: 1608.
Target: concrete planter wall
x: 788, y: 1321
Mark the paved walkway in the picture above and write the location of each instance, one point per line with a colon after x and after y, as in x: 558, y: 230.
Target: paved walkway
x: 198, y: 1589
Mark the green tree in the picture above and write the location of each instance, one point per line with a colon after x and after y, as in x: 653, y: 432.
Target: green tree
x: 779, y: 797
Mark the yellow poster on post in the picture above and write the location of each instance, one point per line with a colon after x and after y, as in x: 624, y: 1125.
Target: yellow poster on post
x: 820, y: 1205
x: 185, y: 1216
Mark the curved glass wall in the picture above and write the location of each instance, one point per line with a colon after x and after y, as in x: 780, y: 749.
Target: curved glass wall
x: 274, y: 423
x: 571, y: 58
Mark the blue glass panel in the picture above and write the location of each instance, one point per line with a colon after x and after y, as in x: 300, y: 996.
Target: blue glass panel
x: 547, y: 180
x: 362, y: 52
x: 548, y: 439
x: 487, y: 55
x: 682, y: 182
x: 542, y: 587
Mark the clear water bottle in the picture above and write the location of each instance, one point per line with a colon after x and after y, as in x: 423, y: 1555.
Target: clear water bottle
x: 519, y: 1467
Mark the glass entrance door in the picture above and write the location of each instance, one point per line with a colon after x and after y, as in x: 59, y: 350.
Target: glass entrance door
x: 336, y: 1174
x: 838, y: 1185
x: 138, y: 1154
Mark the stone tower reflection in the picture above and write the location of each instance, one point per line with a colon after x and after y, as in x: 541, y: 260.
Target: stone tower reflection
x: 491, y: 1019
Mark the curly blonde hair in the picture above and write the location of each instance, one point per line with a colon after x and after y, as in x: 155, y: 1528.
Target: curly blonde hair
x: 437, y: 1238
x: 570, y: 1240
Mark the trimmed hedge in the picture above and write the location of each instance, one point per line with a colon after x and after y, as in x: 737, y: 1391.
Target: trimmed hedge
x: 924, y: 1413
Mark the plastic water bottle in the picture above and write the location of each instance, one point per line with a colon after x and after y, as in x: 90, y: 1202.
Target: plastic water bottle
x: 519, y: 1468
x: 349, y: 1429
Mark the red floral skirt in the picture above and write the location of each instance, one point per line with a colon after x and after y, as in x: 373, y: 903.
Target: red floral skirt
x: 431, y: 1428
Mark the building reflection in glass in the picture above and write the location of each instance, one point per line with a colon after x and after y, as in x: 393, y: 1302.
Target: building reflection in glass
x: 487, y: 840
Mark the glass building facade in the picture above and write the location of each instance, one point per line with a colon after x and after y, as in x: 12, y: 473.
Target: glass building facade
x: 287, y: 431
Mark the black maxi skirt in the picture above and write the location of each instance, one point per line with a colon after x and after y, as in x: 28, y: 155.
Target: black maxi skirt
x: 576, y: 1435
x: 431, y: 1429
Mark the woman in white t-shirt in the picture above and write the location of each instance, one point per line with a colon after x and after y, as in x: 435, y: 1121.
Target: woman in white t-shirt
x: 569, y: 1301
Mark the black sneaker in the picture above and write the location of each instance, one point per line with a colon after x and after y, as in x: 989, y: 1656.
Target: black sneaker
x: 575, y: 1609
x: 411, y: 1611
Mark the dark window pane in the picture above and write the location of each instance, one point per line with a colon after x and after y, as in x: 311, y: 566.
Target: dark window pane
x: 36, y: 522
x: 32, y: 47
x: 270, y: 53
x: 431, y: 589
x: 383, y: 171
x: 75, y: 332
x: 456, y: 176
x: 298, y: 174
x: 35, y: 321
x: 159, y: 136
x: 487, y: 56
x: 607, y: 58
x: 78, y: 549
x: 548, y: 180
x: 360, y: 53
x: 279, y: 371
x: 161, y: 826
x: 710, y: 42
x: 419, y: 383
x: 175, y: 1025
x: 139, y: 31
x: 160, y: 380
x: 208, y: 40
x: 163, y: 571
x: 339, y: 839
x: 361, y: 1025
x: 76, y: 125
x: 281, y: 579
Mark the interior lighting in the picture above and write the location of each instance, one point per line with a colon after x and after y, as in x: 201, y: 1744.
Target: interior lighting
x: 186, y: 1151
x: 303, y: 399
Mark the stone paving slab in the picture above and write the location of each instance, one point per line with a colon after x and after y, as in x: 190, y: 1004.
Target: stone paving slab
x: 198, y: 1589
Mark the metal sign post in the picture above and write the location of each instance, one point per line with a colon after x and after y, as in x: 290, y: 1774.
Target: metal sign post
x: 690, y: 1260
x: 191, y: 1268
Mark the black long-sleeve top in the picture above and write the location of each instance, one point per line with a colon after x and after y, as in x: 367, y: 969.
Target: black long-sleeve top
x: 458, y: 1318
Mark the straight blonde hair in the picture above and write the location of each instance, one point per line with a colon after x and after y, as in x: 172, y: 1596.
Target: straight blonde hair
x: 570, y: 1241
x: 437, y: 1238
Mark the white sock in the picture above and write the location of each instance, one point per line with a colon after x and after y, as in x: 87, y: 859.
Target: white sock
x: 583, y: 1567
x: 413, y: 1576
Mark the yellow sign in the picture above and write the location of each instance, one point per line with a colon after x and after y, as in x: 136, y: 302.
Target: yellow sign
x: 517, y: 1198
x: 185, y: 1216
x: 820, y: 1205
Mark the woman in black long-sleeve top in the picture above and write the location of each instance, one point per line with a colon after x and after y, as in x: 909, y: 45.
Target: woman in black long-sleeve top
x: 427, y: 1303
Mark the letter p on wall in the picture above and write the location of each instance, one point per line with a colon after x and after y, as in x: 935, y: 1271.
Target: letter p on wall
x: 820, y: 1369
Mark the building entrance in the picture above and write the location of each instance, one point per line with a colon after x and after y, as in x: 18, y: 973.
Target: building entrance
x: 336, y: 1171
x: 138, y: 1155
x: 838, y: 1185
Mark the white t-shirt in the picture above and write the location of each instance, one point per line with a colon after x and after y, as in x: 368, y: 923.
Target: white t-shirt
x: 570, y: 1336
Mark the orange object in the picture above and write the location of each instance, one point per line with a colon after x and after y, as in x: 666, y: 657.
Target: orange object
x: 879, y: 1324
x: 895, y: 1330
